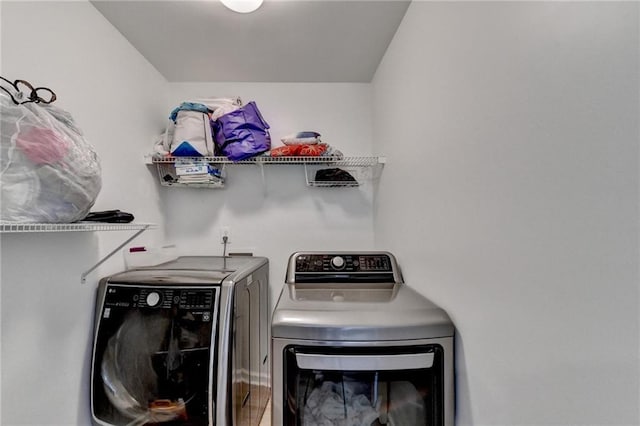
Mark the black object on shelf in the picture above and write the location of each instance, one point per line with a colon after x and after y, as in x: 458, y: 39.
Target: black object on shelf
x: 109, y: 216
x: 335, y: 175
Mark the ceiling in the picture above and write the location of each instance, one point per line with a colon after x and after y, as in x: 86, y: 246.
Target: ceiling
x: 283, y: 41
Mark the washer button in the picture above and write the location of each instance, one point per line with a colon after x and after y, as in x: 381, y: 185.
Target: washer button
x: 153, y: 299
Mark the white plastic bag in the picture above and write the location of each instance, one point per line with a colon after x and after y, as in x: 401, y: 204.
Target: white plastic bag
x: 192, y: 135
x: 48, y: 172
x: 220, y: 106
x: 189, y: 133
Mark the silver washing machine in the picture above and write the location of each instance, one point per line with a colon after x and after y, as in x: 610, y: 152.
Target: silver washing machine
x: 353, y: 345
x: 184, y: 343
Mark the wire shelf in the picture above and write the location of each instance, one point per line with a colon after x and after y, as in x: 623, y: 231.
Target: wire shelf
x: 362, y: 168
x: 168, y: 176
x: 12, y: 227
x: 9, y: 227
x: 352, y: 175
x: 341, y: 161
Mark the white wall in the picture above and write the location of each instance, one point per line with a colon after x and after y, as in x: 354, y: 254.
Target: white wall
x: 121, y: 103
x: 117, y: 99
x: 282, y: 215
x: 511, y: 199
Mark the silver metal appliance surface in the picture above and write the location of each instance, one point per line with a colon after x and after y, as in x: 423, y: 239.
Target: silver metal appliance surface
x: 353, y: 344
x: 184, y: 343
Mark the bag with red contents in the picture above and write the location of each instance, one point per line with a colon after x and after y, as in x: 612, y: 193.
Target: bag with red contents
x: 299, y: 150
x: 312, y: 150
x: 49, y: 172
x: 285, y: 151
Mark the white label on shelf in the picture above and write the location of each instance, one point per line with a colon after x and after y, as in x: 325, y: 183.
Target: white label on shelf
x: 191, y: 169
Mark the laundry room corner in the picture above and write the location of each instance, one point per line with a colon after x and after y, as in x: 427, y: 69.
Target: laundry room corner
x: 511, y: 196
x: 116, y: 99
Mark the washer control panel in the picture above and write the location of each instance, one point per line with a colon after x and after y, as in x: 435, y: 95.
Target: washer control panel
x: 160, y: 297
x: 328, y: 263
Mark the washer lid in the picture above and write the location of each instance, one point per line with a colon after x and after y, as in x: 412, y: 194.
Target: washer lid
x: 189, y: 269
x: 347, y: 313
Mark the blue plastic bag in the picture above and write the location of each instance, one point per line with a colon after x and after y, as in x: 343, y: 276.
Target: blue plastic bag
x: 242, y: 133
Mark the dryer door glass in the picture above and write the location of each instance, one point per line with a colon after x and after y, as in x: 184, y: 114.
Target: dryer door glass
x: 152, y: 356
x: 396, y: 386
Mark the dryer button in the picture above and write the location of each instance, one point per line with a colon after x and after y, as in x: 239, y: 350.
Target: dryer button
x: 337, y: 262
x: 153, y: 299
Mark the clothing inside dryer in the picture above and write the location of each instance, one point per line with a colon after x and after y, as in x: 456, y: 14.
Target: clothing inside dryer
x: 361, y: 396
x: 153, y: 361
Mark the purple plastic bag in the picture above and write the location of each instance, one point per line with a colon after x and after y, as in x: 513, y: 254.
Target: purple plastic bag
x: 242, y: 133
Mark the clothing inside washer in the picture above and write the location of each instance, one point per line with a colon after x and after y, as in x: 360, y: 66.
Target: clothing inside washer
x: 149, y: 382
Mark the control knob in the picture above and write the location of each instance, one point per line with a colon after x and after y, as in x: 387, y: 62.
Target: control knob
x: 153, y: 299
x: 337, y: 262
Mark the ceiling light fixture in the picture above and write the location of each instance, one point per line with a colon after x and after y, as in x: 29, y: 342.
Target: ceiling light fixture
x: 242, y: 6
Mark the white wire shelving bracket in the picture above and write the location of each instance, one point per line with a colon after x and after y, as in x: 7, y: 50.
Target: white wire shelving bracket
x: 8, y: 227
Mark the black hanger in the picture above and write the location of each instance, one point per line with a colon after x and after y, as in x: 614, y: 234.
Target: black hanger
x: 34, y: 96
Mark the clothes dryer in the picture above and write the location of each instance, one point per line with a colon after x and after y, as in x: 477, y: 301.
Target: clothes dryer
x: 352, y: 344
x: 183, y: 343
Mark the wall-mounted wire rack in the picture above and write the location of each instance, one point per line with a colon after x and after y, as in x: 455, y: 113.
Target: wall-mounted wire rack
x: 8, y: 227
x: 12, y: 227
x: 362, y: 168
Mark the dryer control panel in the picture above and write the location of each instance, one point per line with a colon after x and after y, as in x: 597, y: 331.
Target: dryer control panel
x: 343, y: 262
x: 329, y: 267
